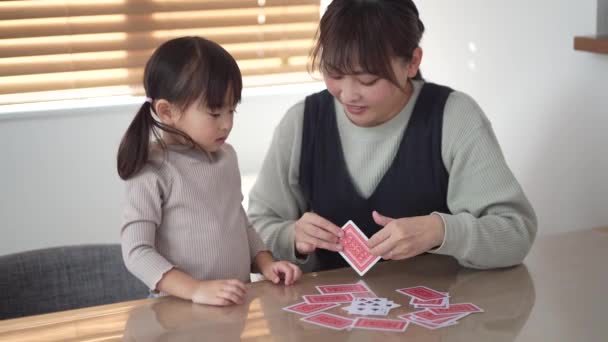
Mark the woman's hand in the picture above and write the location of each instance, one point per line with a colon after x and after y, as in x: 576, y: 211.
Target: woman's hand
x: 406, y: 237
x: 219, y: 292
x: 289, y: 272
x: 313, y: 231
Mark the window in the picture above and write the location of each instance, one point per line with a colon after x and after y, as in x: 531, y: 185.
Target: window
x: 52, y: 49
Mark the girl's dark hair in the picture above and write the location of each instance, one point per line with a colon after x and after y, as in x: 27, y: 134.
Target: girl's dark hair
x: 181, y: 71
x: 366, y: 34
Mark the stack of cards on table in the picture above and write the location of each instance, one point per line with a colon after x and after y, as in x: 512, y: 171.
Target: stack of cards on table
x: 437, y: 311
x: 361, y: 301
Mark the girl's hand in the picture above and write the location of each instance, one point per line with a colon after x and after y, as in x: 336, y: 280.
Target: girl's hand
x: 313, y: 231
x: 406, y: 237
x: 282, y: 269
x: 219, y: 292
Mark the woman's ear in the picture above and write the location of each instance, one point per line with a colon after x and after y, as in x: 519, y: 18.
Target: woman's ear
x: 414, y: 64
x: 165, y: 112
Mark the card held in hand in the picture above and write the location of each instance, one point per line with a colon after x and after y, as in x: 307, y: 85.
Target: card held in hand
x: 355, y: 250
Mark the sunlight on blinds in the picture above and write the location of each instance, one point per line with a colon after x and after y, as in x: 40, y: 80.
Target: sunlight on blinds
x: 55, y: 49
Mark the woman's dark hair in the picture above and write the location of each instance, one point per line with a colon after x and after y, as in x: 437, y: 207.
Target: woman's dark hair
x: 180, y: 71
x: 366, y: 34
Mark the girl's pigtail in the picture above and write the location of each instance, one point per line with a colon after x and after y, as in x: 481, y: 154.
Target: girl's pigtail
x: 133, y: 149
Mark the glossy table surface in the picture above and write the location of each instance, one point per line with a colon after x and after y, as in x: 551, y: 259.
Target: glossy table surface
x: 558, y: 294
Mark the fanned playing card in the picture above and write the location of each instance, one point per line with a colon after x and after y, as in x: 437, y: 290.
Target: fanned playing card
x: 422, y: 293
x: 305, y: 308
x: 342, y: 288
x: 329, y: 298
x: 328, y: 320
x: 380, y: 324
x: 355, y: 250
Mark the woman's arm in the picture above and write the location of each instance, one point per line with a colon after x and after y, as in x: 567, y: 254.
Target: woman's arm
x: 492, y: 223
x: 275, y: 201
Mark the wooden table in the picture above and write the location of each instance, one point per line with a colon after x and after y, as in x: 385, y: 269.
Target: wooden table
x: 557, y: 295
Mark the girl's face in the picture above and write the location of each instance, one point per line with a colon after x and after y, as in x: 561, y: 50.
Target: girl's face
x: 208, y: 128
x: 369, y: 100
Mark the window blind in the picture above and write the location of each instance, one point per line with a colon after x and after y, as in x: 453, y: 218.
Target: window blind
x: 51, y: 49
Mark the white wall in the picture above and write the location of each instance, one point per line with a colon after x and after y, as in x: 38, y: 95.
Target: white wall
x: 548, y: 105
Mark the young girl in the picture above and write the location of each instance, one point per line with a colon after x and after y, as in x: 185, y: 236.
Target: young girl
x: 185, y: 232
x: 416, y: 165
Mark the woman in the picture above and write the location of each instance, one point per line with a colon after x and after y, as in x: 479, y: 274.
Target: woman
x: 415, y: 165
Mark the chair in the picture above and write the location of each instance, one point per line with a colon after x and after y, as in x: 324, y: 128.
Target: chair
x: 63, y: 278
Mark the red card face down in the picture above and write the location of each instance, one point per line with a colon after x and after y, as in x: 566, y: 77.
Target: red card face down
x: 441, y: 302
x: 304, y: 308
x: 427, y: 324
x: 331, y: 298
x: 342, y: 288
x: 327, y: 320
x: 457, y: 308
x: 421, y: 292
x: 380, y: 324
x: 355, y: 250
x: 439, y: 319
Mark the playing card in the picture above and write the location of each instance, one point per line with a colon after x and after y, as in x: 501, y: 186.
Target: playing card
x: 421, y: 292
x: 425, y: 324
x: 446, y: 320
x: 393, y: 305
x: 457, y: 308
x: 438, y: 303
x: 305, y: 308
x: 365, y: 294
x: 370, y: 306
x: 439, y: 319
x: 342, y: 288
x: 368, y: 310
x: 328, y: 320
x: 329, y: 298
x: 380, y: 324
x: 371, y: 302
x: 355, y: 250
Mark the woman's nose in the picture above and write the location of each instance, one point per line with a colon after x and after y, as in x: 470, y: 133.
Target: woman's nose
x: 349, y: 92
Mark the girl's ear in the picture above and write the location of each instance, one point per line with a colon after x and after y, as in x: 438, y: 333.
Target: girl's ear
x: 414, y: 64
x: 165, y: 112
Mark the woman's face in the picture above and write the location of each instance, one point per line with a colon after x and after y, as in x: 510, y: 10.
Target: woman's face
x: 369, y: 100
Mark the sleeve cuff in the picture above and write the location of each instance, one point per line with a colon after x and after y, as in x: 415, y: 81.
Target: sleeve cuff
x: 287, y: 242
x: 157, y: 275
x: 445, y: 232
x: 288, y: 251
x: 455, y: 236
x: 257, y: 246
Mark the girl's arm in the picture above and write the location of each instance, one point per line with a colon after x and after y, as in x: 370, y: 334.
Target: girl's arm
x: 213, y: 292
x: 275, y: 201
x: 141, y: 216
x: 277, y: 270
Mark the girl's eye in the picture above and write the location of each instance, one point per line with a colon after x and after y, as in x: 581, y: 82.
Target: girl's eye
x: 217, y: 115
x: 369, y: 82
x: 334, y: 76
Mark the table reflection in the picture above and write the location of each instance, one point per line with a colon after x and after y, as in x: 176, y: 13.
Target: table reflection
x: 506, y: 295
